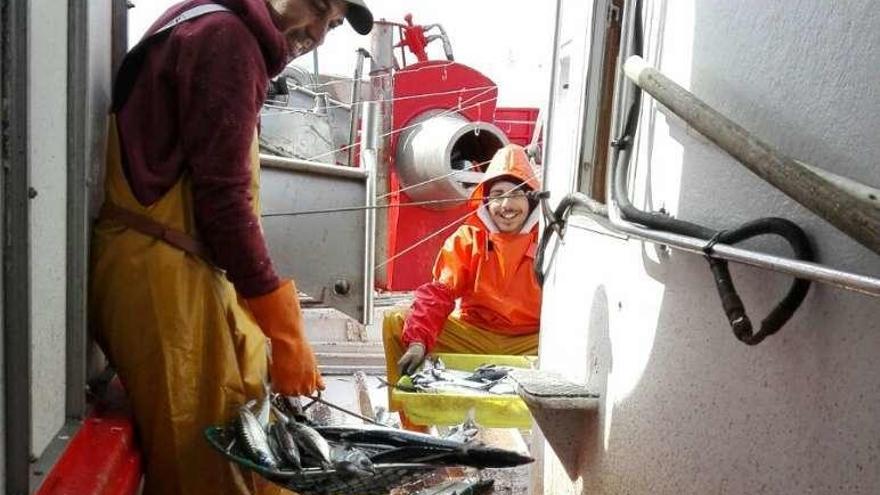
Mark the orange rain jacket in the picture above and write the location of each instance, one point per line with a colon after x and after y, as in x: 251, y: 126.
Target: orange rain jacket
x: 491, y: 272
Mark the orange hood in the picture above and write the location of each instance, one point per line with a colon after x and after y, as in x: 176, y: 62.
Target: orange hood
x: 512, y: 163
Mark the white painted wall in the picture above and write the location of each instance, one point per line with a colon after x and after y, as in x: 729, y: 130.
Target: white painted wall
x: 48, y: 159
x: 569, y: 86
x: 687, y: 408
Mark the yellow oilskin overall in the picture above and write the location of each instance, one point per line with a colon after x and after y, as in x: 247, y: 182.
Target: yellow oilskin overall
x: 186, y: 349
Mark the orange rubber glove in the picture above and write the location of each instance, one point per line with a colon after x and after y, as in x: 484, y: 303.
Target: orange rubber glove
x: 293, y: 369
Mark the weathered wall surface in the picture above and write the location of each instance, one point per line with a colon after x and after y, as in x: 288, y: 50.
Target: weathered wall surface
x: 687, y: 408
x: 48, y: 160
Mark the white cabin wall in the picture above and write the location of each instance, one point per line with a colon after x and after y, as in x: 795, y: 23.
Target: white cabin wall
x: 686, y: 407
x: 569, y: 82
x: 48, y: 159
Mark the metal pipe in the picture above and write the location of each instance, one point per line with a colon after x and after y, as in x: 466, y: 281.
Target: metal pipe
x: 346, y: 209
x: 858, y: 218
x: 613, y: 220
x: 444, y: 38
x: 314, y: 94
x: 315, y: 64
x: 610, y: 218
x: 425, y: 151
x: 369, y: 143
x: 382, y: 66
x: 355, y: 99
x: 867, y: 193
x: 802, y: 269
x: 272, y: 161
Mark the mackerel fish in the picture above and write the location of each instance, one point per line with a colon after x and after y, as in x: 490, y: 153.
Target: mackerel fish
x: 407, y: 446
x: 311, y: 443
x: 253, y: 438
x: 485, y: 380
x: 286, y: 447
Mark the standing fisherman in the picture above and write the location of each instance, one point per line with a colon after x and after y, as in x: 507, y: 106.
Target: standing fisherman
x: 183, y: 295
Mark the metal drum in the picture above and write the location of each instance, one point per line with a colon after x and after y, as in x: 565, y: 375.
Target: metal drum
x: 442, y: 155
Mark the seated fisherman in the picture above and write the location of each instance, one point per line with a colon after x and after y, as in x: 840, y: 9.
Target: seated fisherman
x: 487, y: 266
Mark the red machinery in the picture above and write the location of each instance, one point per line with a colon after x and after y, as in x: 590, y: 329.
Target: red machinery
x: 445, y: 127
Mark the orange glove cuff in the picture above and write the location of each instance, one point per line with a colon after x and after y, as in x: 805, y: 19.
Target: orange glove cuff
x: 294, y: 368
x: 276, y: 311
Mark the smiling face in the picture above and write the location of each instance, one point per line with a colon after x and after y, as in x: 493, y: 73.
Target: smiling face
x: 305, y: 23
x: 508, y: 206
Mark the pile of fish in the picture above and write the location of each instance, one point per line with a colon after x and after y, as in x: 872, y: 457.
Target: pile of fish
x: 489, y: 379
x: 274, y: 434
x: 397, y: 446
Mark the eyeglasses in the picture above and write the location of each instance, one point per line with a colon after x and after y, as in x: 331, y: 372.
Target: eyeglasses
x: 498, y: 195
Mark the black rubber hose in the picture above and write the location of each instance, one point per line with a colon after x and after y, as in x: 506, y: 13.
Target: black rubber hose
x: 784, y: 310
x: 730, y: 300
x: 555, y: 221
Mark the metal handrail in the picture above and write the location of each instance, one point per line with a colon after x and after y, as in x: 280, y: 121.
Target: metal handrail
x: 802, y: 269
x: 854, y: 214
x: 609, y: 217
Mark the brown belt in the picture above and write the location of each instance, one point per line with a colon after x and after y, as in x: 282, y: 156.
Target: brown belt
x: 147, y: 226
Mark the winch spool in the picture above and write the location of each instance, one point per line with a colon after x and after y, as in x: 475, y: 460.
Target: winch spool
x: 437, y: 154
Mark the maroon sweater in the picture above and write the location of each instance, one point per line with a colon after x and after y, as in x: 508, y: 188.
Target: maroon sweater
x: 194, y: 108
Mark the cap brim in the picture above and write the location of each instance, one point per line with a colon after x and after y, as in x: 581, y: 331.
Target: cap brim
x: 360, y: 18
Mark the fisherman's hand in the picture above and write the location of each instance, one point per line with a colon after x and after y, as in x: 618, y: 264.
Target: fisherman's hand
x: 412, y: 358
x: 293, y: 368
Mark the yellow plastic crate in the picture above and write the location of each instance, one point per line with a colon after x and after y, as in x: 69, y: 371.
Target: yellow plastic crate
x: 449, y: 408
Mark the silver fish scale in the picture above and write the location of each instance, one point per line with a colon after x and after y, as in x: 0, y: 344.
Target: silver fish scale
x: 288, y: 450
x: 440, y: 380
x: 310, y: 442
x: 316, y: 481
x: 254, y: 438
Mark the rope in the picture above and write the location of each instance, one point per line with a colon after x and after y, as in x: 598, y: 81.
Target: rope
x: 282, y: 108
x: 401, y: 98
x: 433, y: 179
x: 444, y: 228
x: 375, y: 207
x: 391, y: 133
x: 425, y: 239
x: 344, y: 79
x: 422, y: 183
